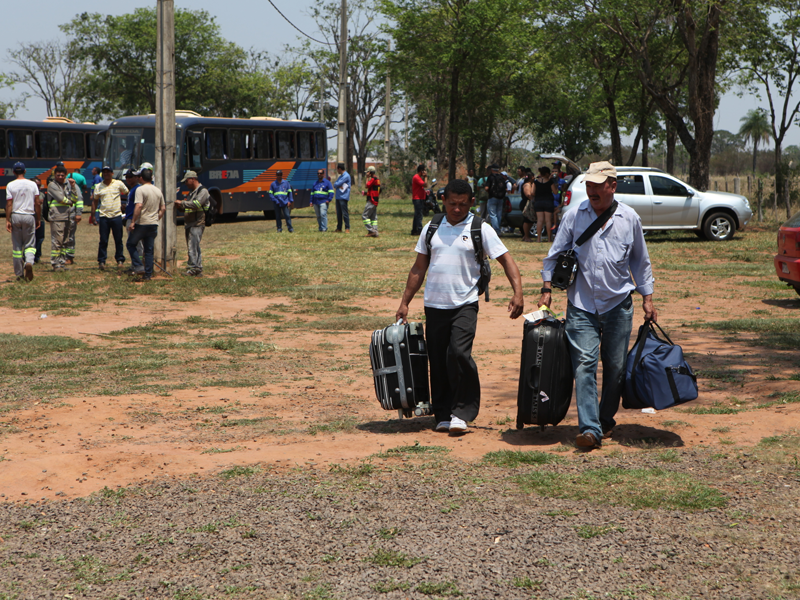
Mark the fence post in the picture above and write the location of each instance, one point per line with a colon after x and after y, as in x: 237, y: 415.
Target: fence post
x: 737, y: 185
x: 749, y: 182
x: 760, y: 190
x: 787, y: 197
x: 716, y: 185
x: 726, y: 185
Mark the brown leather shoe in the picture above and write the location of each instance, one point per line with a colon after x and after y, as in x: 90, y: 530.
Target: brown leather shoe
x: 607, y: 434
x: 587, y: 440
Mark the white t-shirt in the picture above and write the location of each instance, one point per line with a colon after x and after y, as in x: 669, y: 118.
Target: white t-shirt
x: 453, y: 272
x: 24, y: 193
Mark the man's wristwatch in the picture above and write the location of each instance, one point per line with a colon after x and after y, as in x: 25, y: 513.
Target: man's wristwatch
x: 545, y: 290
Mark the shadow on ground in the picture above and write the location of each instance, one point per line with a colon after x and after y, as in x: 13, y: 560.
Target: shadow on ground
x: 637, y: 436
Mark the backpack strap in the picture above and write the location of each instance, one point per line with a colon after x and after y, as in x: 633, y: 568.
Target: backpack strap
x: 432, y: 227
x: 477, y: 238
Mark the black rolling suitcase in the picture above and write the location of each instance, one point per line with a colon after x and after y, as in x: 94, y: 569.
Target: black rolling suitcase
x: 400, y: 369
x: 545, y: 379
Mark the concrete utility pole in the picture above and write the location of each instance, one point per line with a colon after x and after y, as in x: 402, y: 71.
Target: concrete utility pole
x: 341, y: 146
x: 165, y: 176
x: 388, y: 117
x: 405, y: 129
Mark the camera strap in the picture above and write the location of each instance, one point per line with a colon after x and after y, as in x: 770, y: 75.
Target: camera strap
x: 596, y: 225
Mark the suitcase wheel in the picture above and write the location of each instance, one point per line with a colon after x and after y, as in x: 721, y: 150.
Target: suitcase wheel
x: 520, y: 425
x: 542, y: 427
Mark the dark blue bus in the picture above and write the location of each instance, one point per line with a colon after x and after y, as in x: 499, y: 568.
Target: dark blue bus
x: 42, y: 144
x: 235, y: 159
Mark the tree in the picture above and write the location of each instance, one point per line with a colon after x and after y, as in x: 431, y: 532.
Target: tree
x: 755, y: 128
x: 8, y: 109
x: 55, y: 74
x: 770, y: 64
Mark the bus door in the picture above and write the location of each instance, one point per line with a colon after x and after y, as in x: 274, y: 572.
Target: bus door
x: 193, y: 151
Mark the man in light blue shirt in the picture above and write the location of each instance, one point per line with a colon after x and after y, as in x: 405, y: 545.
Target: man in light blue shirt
x: 342, y: 187
x: 611, y: 265
x: 321, y: 196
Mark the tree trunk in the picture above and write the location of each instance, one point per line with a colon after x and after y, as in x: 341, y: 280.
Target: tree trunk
x: 635, y: 147
x: 755, y: 155
x: 780, y: 173
x: 787, y: 184
x: 613, y: 125
x: 452, y: 149
x: 645, y: 147
x: 670, y: 166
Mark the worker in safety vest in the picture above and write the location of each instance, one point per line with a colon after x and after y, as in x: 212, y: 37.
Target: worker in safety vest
x: 280, y: 192
x: 373, y: 192
x: 321, y: 196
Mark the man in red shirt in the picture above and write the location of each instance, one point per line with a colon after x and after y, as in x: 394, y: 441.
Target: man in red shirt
x: 373, y: 192
x: 418, y: 195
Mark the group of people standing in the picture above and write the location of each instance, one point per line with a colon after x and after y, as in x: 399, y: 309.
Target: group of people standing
x: 61, y: 204
x: 323, y: 193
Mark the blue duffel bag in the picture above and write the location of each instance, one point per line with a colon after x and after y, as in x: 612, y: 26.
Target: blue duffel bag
x: 656, y: 374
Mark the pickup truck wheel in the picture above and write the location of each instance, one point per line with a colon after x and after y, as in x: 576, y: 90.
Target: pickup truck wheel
x: 797, y: 289
x: 719, y: 227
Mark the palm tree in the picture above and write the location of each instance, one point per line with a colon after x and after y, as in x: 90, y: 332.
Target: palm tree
x: 756, y: 128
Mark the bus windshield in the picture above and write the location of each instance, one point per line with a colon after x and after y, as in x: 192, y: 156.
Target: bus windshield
x: 122, y: 149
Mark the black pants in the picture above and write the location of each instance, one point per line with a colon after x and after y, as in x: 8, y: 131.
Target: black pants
x: 416, y: 224
x: 455, y: 385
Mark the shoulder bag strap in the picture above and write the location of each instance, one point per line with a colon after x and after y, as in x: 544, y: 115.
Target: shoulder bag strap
x: 597, y: 224
x: 477, y: 238
x: 432, y: 227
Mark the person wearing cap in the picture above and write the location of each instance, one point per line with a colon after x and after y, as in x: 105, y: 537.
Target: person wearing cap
x: 321, y: 196
x: 132, y: 182
x: 612, y: 264
x: 109, y: 193
x: 373, y: 193
x: 149, y: 208
x: 65, y: 203
x: 23, y: 217
x: 280, y: 192
x: 194, y: 220
x: 342, y: 186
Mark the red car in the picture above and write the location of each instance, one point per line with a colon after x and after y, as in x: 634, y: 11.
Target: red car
x: 787, y: 261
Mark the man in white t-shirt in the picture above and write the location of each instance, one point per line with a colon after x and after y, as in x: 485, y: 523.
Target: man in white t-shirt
x: 451, y: 305
x: 23, y: 216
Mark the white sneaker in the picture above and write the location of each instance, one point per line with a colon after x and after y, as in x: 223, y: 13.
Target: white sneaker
x: 457, y: 425
x: 443, y: 426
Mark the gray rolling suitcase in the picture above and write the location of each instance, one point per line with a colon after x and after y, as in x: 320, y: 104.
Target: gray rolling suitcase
x: 400, y: 369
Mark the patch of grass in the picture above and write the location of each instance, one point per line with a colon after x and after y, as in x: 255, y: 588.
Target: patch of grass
x: 446, y: 588
x: 590, y: 531
x: 772, y: 333
x: 361, y: 470
x: 721, y: 429
x: 390, y: 585
x: 89, y: 569
x: 418, y: 449
x: 639, y: 488
x: 504, y: 420
x: 346, y: 323
x: 526, y: 583
x: 726, y: 375
x: 392, y: 558
x: 222, y: 450
x: 710, y: 410
x: 12, y: 344
x: 239, y: 471
x: 516, y: 458
x: 670, y: 456
x: 676, y: 424
x: 232, y: 345
x: 559, y: 513
x: 389, y: 533
x: 344, y: 424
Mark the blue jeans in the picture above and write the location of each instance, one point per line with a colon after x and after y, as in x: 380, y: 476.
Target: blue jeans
x: 416, y: 224
x: 321, y: 210
x: 283, y: 211
x: 112, y: 225
x: 607, y: 335
x: 147, y: 235
x: 494, y: 210
x: 342, y: 213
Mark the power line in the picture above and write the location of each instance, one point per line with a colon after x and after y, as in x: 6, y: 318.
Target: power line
x: 296, y: 27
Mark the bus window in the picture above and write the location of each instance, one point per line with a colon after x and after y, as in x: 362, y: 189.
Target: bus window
x: 2, y: 143
x: 47, y: 145
x: 286, y: 144
x: 263, y: 144
x: 306, y: 143
x: 20, y: 143
x: 73, y: 146
x: 194, y: 151
x: 320, y: 144
x: 123, y: 149
x: 215, y: 144
x: 95, y: 143
x: 239, y: 143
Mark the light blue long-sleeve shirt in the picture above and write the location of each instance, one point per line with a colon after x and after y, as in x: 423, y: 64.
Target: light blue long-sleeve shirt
x: 280, y: 193
x: 343, y: 181
x: 608, y: 263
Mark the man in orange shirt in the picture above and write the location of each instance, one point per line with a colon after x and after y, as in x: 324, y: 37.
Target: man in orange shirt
x: 418, y: 195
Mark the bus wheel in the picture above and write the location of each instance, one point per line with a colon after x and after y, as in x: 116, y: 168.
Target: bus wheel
x: 228, y: 217
x: 269, y: 215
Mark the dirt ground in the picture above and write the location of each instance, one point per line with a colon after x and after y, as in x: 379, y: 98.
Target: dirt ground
x: 84, y: 444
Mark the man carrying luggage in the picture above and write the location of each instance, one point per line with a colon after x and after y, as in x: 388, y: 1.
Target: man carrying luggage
x: 600, y: 307
x: 451, y: 305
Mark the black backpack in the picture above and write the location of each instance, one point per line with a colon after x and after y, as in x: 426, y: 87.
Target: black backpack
x: 477, y: 244
x: 212, y: 210
x: 497, y: 186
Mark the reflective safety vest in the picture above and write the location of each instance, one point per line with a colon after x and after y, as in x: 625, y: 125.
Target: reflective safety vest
x: 321, y: 192
x: 280, y: 193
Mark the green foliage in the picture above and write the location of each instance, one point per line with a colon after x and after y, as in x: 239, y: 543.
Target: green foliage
x: 516, y: 458
x: 639, y: 488
x: 392, y: 558
x: 239, y: 471
x: 446, y: 588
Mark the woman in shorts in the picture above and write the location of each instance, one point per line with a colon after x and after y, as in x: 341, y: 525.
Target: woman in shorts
x: 545, y: 187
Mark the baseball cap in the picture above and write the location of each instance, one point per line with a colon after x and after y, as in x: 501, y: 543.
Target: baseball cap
x: 371, y: 169
x: 107, y: 168
x: 598, y: 172
x: 189, y: 175
x: 146, y: 165
x: 557, y: 163
x: 131, y: 173
x: 278, y: 172
x: 19, y: 166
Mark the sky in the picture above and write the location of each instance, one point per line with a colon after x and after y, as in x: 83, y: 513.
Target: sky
x: 254, y: 24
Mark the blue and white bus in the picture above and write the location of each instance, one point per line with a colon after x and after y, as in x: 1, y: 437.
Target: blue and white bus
x: 43, y: 144
x: 236, y: 159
